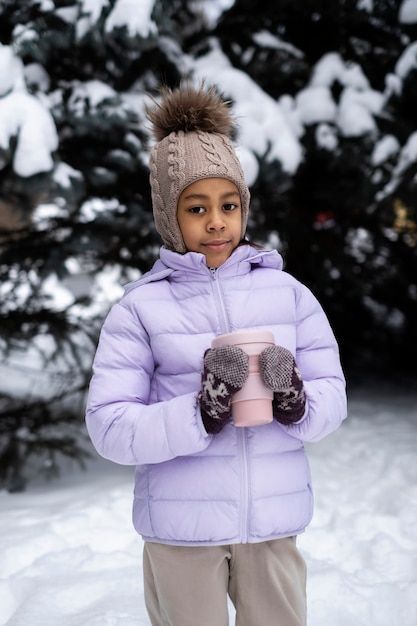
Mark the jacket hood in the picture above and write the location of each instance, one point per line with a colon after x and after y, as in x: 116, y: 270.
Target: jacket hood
x: 193, y: 264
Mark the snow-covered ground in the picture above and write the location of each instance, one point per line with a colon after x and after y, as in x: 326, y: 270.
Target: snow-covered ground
x: 69, y: 556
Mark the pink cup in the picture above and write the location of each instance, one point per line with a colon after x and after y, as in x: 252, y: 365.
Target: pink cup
x: 252, y: 405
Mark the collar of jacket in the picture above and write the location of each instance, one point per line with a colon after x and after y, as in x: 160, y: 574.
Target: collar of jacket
x: 192, y: 265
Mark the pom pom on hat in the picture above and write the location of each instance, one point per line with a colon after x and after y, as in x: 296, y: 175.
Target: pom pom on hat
x: 193, y: 128
x: 189, y: 109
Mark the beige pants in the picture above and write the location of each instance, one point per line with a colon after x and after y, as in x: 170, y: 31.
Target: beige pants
x: 188, y: 586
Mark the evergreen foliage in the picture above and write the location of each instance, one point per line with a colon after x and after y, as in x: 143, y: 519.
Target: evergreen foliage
x: 345, y: 222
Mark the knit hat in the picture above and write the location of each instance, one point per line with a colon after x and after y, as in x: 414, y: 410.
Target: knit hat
x: 193, y: 128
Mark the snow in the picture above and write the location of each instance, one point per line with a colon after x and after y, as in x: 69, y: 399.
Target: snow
x: 407, y: 156
x: 315, y: 104
x: 94, y: 92
x: 408, y: 12
x: 25, y: 117
x: 135, y: 15
x: 267, y: 127
x: 384, y: 149
x: 10, y: 67
x: 268, y: 40
x: 93, y: 8
x: 69, y: 554
x: 263, y: 127
x: 407, y: 61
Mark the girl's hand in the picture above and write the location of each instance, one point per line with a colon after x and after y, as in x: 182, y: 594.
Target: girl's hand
x: 225, y: 371
x: 280, y: 373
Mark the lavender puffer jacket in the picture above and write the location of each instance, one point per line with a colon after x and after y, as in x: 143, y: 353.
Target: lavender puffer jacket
x: 191, y: 488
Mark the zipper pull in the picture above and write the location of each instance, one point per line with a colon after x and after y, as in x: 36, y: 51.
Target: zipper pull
x: 213, y: 272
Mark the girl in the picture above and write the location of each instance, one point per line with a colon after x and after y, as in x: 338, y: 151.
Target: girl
x: 218, y: 507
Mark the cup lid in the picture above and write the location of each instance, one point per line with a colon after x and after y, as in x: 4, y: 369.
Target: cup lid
x: 251, y: 335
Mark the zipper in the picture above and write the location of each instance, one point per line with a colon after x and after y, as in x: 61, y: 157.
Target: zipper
x: 241, y: 432
x: 224, y: 322
x: 244, y: 484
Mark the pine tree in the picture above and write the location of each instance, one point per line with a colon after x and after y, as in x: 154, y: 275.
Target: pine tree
x: 76, y: 222
x: 346, y: 224
x: 87, y: 217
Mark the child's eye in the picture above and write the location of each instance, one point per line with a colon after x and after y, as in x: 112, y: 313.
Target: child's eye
x: 196, y: 209
x: 229, y: 206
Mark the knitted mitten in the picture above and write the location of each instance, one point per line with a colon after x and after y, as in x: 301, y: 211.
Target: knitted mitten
x: 225, y: 371
x: 279, y: 372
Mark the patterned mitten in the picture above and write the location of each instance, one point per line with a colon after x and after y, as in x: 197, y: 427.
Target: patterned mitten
x: 279, y: 372
x: 225, y: 371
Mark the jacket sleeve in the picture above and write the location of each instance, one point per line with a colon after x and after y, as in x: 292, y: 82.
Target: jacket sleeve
x: 317, y: 357
x: 120, y: 423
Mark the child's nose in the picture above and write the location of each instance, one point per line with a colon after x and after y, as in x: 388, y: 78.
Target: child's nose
x: 216, y: 220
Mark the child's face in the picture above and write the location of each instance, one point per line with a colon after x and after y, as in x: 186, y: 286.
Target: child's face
x: 209, y: 215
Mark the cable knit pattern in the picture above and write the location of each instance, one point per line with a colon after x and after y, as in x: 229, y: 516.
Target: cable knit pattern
x: 215, y: 165
x: 176, y: 161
